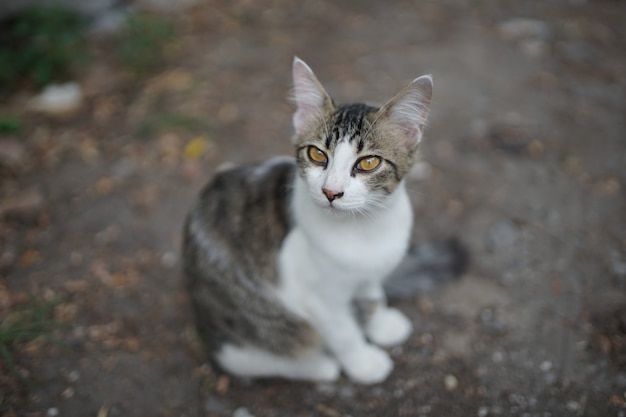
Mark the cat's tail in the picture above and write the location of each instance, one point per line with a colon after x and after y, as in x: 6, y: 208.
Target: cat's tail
x: 427, y: 267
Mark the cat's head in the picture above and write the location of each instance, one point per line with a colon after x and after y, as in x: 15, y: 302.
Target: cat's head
x: 352, y: 157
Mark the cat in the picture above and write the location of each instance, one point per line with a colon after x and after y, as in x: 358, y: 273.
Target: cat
x: 285, y: 260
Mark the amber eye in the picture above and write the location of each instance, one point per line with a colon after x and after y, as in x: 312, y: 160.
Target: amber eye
x: 368, y: 163
x: 317, y: 155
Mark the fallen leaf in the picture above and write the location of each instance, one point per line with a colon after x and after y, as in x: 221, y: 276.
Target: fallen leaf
x: 196, y: 147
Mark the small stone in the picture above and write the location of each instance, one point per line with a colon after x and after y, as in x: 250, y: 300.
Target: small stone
x: 573, y: 405
x: 450, y: 382
x: 502, y: 235
x: 497, y: 357
x: 58, y: 99
x: 73, y: 376
x: 67, y: 393
x: 545, y: 366
x: 169, y: 259
x: 483, y: 411
x: 242, y: 412
x: 52, y: 412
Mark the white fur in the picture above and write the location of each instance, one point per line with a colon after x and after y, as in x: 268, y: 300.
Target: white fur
x: 253, y: 362
x: 388, y: 327
x: 329, y: 259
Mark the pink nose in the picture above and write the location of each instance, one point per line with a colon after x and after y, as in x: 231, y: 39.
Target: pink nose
x: 332, y: 195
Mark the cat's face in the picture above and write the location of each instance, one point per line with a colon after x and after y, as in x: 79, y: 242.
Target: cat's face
x: 353, y: 157
x: 346, y: 163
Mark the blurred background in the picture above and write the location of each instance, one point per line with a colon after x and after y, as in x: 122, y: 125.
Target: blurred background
x: 113, y: 114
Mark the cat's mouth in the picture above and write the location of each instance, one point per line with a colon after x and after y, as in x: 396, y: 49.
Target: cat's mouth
x: 333, y: 208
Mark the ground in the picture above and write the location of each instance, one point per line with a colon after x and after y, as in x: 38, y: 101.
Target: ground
x: 523, y: 162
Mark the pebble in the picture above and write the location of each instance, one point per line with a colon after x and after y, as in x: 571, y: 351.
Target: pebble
x: 450, y: 382
x: 67, y: 393
x: 483, y: 411
x: 545, y: 366
x: 169, y: 259
x: 573, y: 405
x: 497, y: 357
x: 242, y: 412
x: 502, y: 235
x: 58, y: 99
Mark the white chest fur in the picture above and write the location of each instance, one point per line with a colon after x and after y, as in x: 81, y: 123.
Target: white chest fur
x: 333, y: 255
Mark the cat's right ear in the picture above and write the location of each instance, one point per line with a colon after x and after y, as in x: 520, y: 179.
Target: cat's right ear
x: 310, y: 97
x: 408, y: 110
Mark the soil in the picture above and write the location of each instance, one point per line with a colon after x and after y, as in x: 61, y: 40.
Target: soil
x: 524, y: 162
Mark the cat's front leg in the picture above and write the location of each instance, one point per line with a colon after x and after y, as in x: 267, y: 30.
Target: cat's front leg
x: 362, y: 362
x: 383, y: 325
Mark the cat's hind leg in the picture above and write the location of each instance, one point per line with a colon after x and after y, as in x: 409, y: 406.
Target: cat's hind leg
x: 256, y: 363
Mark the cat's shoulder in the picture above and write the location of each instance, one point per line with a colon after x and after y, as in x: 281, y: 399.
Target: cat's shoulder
x: 275, y: 165
x: 273, y: 177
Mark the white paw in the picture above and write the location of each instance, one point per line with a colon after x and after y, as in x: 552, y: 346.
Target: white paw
x: 368, y: 365
x: 388, y: 327
x: 325, y: 369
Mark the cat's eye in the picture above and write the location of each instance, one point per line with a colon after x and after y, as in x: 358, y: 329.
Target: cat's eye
x: 369, y: 163
x: 317, y: 155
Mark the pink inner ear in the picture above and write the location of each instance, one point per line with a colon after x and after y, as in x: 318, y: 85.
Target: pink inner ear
x: 413, y: 136
x: 303, y: 116
x: 409, y: 110
x: 308, y: 97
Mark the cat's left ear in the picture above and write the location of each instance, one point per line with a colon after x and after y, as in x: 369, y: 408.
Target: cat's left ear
x: 408, y: 110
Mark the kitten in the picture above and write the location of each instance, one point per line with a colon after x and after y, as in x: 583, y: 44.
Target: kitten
x: 285, y: 260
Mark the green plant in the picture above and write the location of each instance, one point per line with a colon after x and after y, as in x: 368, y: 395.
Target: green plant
x: 143, y: 42
x: 42, y: 44
x: 24, y: 324
x: 10, y: 124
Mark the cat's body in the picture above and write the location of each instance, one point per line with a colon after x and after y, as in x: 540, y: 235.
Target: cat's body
x: 285, y: 260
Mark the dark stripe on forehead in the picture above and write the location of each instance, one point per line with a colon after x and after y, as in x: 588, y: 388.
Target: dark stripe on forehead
x: 348, y: 121
x: 360, y: 145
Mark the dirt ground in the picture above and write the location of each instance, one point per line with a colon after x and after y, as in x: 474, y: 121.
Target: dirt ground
x: 524, y: 162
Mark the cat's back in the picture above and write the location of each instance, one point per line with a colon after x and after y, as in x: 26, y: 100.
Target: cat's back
x: 242, y: 215
x: 231, y: 240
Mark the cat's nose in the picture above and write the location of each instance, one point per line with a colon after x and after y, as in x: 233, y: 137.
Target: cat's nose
x: 332, y: 195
